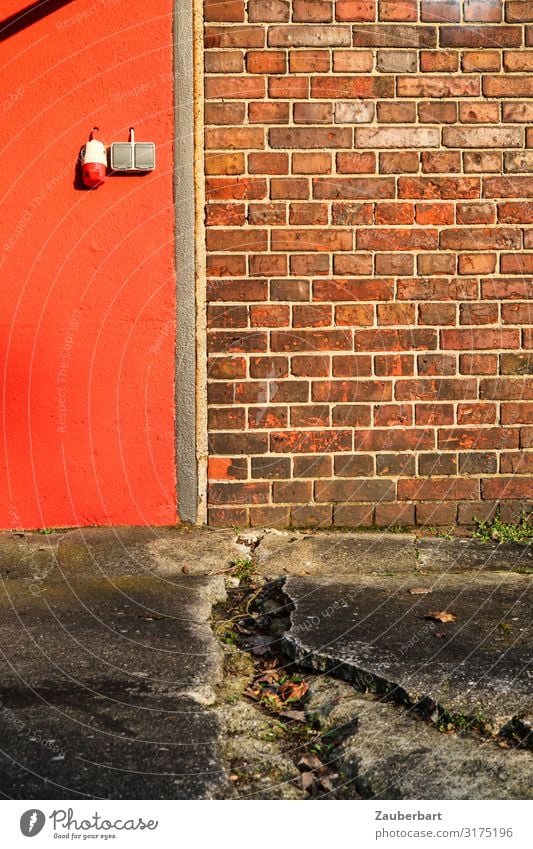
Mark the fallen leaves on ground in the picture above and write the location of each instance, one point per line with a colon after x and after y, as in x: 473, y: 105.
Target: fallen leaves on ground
x: 315, y: 776
x: 441, y: 616
x: 275, y: 689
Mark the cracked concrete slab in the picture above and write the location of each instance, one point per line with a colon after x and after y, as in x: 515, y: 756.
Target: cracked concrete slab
x: 283, y: 553
x: 375, y: 633
x: 391, y: 755
x: 105, y: 688
x: 459, y: 555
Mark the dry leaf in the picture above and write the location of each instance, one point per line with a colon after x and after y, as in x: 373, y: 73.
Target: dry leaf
x: 419, y: 591
x: 308, y: 781
x: 309, y: 761
x: 293, y: 692
x: 441, y: 616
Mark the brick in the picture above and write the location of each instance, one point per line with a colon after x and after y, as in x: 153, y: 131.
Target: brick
x: 398, y: 163
x: 306, y: 366
x: 507, y: 86
x: 517, y: 11
x: 434, y: 213
x: 352, y: 415
x: 438, y: 86
x: 396, y: 465
x: 393, y: 415
x: 394, y: 515
x: 357, y: 315
x: 518, y: 389
x: 354, y: 465
x: 476, y: 213
x: 350, y: 365
x: 353, y: 516
x: 234, y: 138
x: 476, y: 511
x: 405, y: 439
x: 518, y: 413
x: 218, y: 265
x: 310, y: 340
x: 266, y: 265
x: 225, y: 517
x: 373, y: 289
x: 235, y: 88
x: 479, y: 339
x: 268, y: 11
x: 445, y: 188
x: 224, y: 113
x: 435, y: 112
x: 354, y: 113
x: 435, y: 364
x: 515, y: 487
x: 394, y: 365
x: 477, y: 263
x: 238, y: 493
x: 477, y: 438
x: 417, y: 289
x: 317, y: 240
x: 436, y: 389
x: 397, y: 239
x: 268, y: 113
x: 311, y: 163
x: 483, y: 10
x: 289, y: 189
x: 483, y: 60
x: 521, y: 61
x: 239, y: 239
x: 219, y: 37
x: 482, y: 313
x: 309, y: 264
x: 230, y: 10
x: 480, y: 162
x: 517, y: 313
x: 355, y: 489
x: 521, y: 162
x: 436, y: 515
x: 308, y: 213
x: 394, y: 213
x: 480, y: 36
x: 225, y: 214
x: 394, y: 137
x: 353, y: 188
x: 317, y: 11
x: 506, y: 288
x: 472, y: 414
x: 224, y: 163
x: 312, y: 516
x: 312, y: 113
x: 263, y: 214
x: 303, y: 137
x: 223, y: 62
x: 351, y: 214
x: 356, y: 163
x: 437, y: 465
x: 440, y: 11
x: 436, y: 489
x: 392, y: 314
x: 394, y: 264
x: 481, y: 113
x: 398, y: 10
x: 435, y: 61
x: 310, y: 442
x: 352, y: 87
x: 356, y: 264
x: 396, y: 113
x: 480, y: 238
x: 437, y: 313
x: 481, y: 137
x: 269, y: 516
x: 352, y: 62
x: 309, y: 61
x: 309, y: 36
x: 227, y: 468
x: 432, y: 414
x: 516, y: 463
x: 349, y: 391
x: 397, y: 61
x: 288, y: 87
x: 266, y: 62
x: 268, y: 163
x: 291, y: 492
x: 355, y: 10
x: 478, y: 363
x: 521, y: 363
x: 521, y: 263
x: 439, y: 263
x: 394, y: 35
x: 313, y: 466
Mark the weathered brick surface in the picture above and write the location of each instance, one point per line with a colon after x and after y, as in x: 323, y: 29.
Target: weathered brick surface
x: 369, y: 175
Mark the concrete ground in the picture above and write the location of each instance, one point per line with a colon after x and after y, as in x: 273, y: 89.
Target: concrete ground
x: 125, y: 672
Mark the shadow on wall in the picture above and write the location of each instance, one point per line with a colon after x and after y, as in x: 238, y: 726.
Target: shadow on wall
x: 29, y: 16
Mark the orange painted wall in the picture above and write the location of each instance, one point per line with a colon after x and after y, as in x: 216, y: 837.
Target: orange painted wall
x: 87, y: 332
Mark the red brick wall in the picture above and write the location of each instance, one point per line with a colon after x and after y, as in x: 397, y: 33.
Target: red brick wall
x: 369, y: 174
